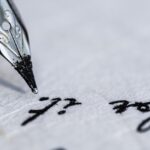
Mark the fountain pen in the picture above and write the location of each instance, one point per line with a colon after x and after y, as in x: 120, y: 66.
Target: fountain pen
x: 14, y: 42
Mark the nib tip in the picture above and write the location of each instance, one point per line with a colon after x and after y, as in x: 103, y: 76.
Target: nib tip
x: 24, y: 68
x: 35, y: 91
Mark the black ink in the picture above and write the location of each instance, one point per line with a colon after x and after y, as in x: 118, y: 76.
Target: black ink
x: 24, y: 68
x: 44, y: 99
x: 40, y: 112
x: 72, y: 102
x: 122, y: 106
x: 142, y: 107
x: 37, y: 113
x: 142, y: 127
x: 62, y: 112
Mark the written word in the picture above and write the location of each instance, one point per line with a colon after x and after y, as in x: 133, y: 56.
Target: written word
x: 69, y: 102
x: 122, y: 106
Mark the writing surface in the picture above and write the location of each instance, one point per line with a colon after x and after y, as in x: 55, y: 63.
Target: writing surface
x: 96, y: 52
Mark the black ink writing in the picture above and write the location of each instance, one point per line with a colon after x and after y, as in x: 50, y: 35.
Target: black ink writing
x: 53, y: 102
x: 121, y: 106
x: 62, y: 112
x: 143, y: 126
x: 72, y: 102
x: 37, y: 113
x: 44, y: 99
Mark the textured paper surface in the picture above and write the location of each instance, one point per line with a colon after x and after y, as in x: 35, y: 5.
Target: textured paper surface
x: 93, y: 50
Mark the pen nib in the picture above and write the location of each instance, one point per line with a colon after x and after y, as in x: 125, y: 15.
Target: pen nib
x: 24, y: 68
x: 14, y: 42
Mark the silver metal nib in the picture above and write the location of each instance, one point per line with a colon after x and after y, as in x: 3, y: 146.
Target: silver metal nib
x: 14, y: 42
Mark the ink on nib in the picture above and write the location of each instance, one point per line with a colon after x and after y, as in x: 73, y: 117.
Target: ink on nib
x: 14, y: 42
x: 24, y: 68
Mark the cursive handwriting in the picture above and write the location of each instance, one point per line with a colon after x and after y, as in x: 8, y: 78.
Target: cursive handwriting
x: 72, y: 102
x: 53, y: 102
x: 144, y: 126
x: 121, y: 106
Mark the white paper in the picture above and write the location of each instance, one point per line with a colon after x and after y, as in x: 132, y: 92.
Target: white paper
x: 93, y: 50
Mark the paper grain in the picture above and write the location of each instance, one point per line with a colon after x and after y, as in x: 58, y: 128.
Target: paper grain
x: 95, y: 51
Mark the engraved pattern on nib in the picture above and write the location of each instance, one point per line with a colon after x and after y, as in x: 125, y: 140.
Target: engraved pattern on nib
x: 24, y: 68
